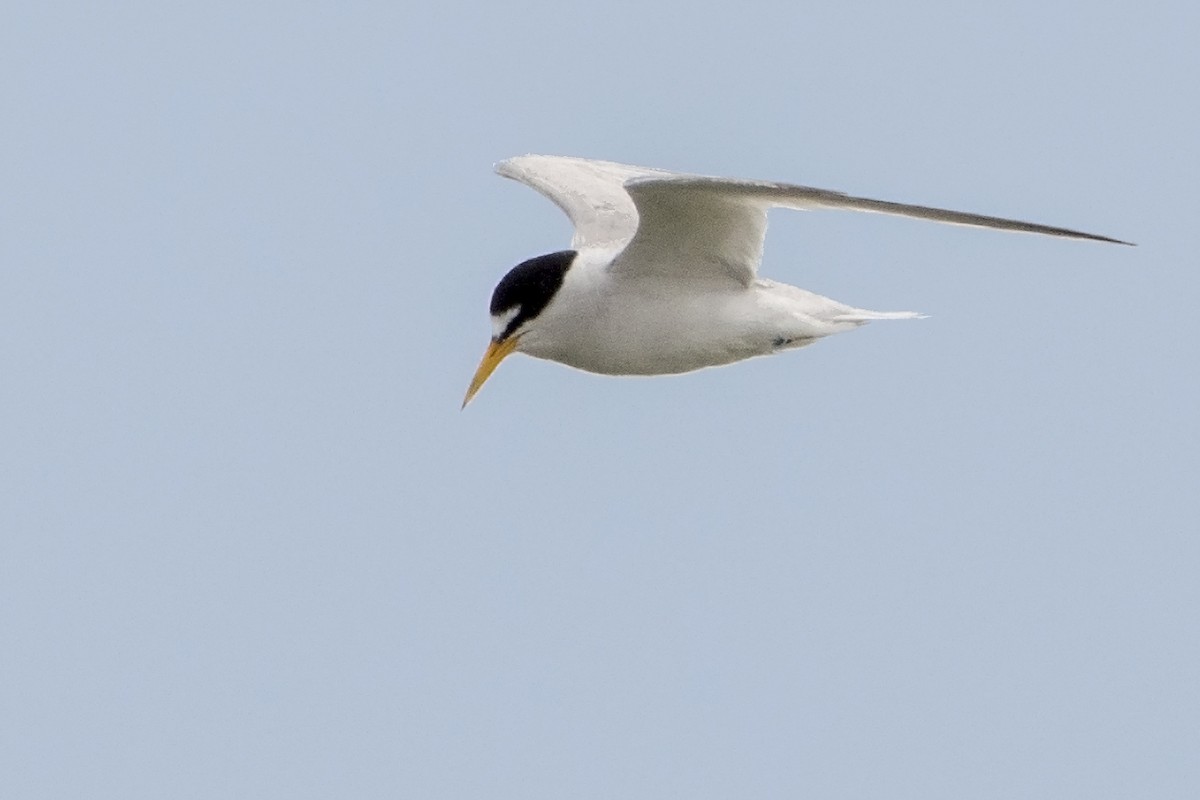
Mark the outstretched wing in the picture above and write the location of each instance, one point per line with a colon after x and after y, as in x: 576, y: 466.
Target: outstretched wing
x: 592, y: 193
x: 690, y: 224
x: 694, y: 227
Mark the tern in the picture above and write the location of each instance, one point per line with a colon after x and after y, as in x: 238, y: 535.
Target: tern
x: 662, y: 273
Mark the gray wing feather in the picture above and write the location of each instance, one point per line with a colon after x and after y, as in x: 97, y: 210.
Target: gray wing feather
x: 694, y: 227
x: 591, y: 193
x: 807, y: 197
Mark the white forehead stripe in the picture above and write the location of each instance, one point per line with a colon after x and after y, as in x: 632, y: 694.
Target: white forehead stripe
x: 500, y: 321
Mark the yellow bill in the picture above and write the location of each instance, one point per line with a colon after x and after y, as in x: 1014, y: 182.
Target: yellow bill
x: 496, y: 352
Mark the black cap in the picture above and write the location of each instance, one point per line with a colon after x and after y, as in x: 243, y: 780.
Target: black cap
x: 529, y: 287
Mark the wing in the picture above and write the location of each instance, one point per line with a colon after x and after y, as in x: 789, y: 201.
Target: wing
x: 694, y: 228
x: 592, y: 193
x: 692, y: 225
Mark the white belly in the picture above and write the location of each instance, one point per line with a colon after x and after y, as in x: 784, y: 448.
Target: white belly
x: 650, y: 327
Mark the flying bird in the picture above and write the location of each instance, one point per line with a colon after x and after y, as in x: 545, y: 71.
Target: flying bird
x: 662, y: 273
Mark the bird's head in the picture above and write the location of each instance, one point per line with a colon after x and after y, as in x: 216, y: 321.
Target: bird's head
x: 519, y: 298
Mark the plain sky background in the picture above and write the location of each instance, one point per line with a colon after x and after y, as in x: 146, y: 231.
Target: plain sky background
x: 251, y: 548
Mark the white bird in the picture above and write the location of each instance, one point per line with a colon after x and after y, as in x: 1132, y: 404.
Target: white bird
x: 662, y: 277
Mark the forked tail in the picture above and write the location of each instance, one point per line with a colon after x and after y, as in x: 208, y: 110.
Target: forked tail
x: 862, y: 315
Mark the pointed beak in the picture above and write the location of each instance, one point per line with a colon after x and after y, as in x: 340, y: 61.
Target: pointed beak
x: 496, y: 352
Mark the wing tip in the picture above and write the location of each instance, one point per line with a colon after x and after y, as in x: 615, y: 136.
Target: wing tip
x: 507, y: 167
x: 1092, y: 237
x: 1108, y: 239
x: 514, y: 164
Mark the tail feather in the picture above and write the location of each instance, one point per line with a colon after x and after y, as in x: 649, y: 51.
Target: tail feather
x: 862, y: 315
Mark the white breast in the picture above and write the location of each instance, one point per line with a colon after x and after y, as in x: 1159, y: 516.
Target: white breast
x: 653, y: 325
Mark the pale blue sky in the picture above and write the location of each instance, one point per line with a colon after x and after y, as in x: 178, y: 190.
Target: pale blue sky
x: 251, y: 547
